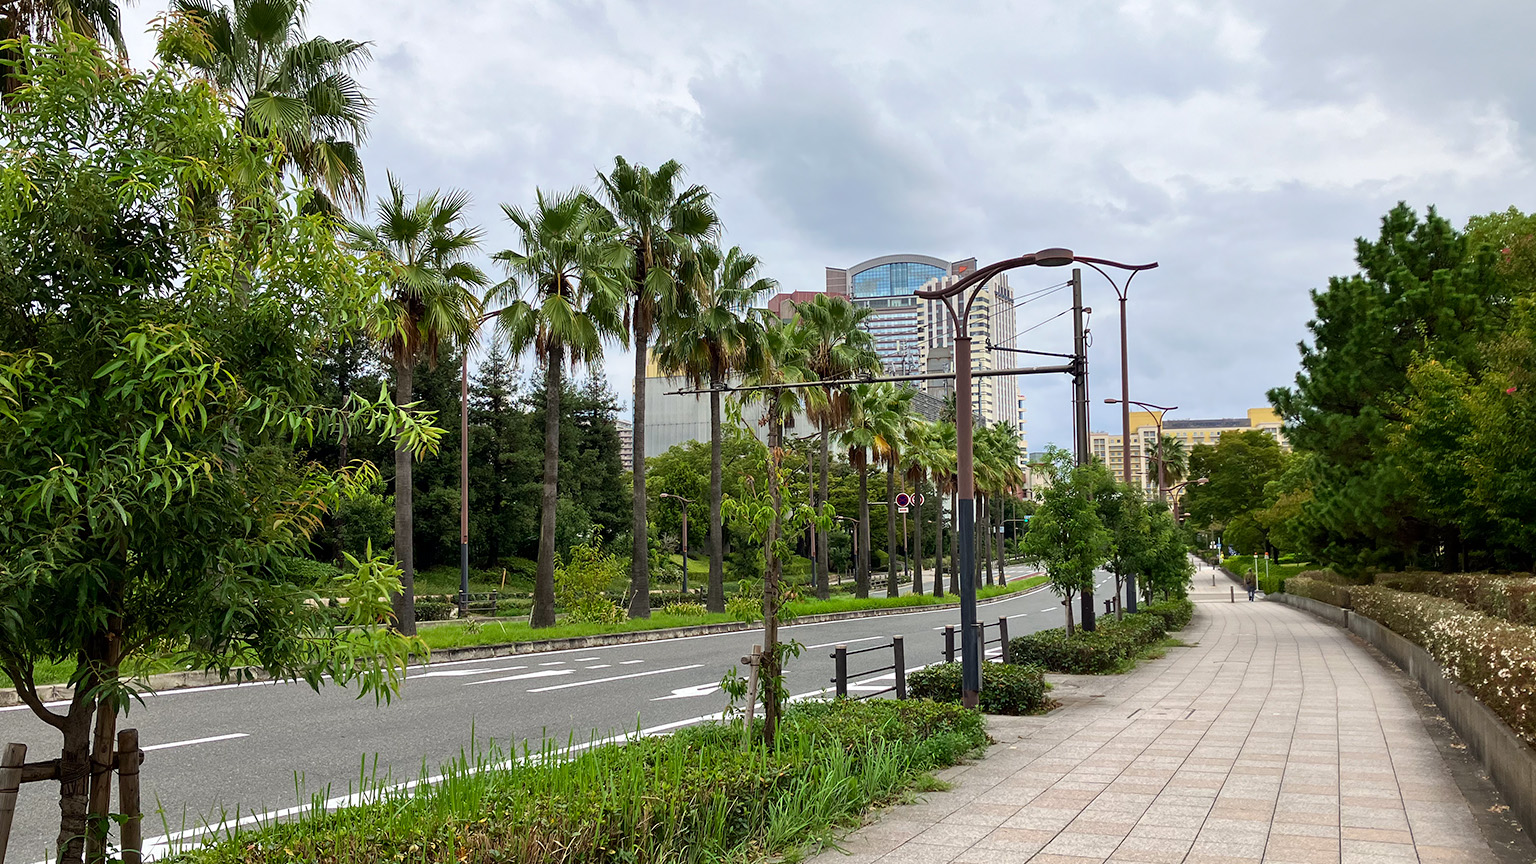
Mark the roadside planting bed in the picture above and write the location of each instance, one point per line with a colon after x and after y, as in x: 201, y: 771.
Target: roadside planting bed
x: 695, y: 795
x: 1113, y: 647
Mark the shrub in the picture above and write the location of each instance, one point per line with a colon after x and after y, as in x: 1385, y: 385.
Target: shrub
x: 433, y: 609
x: 1512, y: 597
x: 1175, y: 613
x: 581, y: 585
x: 1317, y: 589
x: 744, y: 608
x: 512, y: 608
x: 311, y: 574
x: 1099, y: 652
x: 1005, y: 688
x: 685, y: 610
x: 1493, y: 658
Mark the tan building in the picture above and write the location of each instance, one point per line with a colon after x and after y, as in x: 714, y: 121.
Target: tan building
x: 1192, y: 433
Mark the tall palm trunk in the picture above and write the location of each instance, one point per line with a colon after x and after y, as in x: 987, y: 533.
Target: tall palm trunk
x: 861, y: 576
x: 917, y: 551
x: 938, y: 545
x: 715, y: 600
x: 892, y: 587
x: 986, y: 535
x: 1002, y: 546
x: 640, y: 551
x: 954, y: 540
x: 544, y: 582
x: 823, y: 575
x: 405, y: 541
x: 769, y: 675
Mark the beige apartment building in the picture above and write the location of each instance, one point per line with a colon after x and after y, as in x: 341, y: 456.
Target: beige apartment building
x: 1107, y: 447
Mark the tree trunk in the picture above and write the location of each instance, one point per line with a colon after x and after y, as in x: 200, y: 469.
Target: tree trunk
x: 917, y: 551
x: 938, y: 545
x: 640, y: 551
x: 405, y: 527
x: 75, y: 775
x: 984, y: 528
x: 103, y: 748
x: 861, y: 574
x: 1068, y: 605
x: 715, y: 601
x: 1002, y: 548
x: 823, y: 575
x: 954, y: 542
x: 892, y: 583
x: 769, y: 673
x: 544, y: 582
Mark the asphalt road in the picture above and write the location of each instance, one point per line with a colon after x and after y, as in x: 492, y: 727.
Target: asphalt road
x: 214, y: 752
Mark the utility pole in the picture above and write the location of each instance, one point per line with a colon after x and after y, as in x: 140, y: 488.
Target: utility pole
x: 1080, y: 414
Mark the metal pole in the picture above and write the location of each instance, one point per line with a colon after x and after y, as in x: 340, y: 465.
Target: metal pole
x: 1162, y: 478
x: 464, y: 488
x: 1084, y: 447
x: 899, y: 660
x: 970, y: 661
x: 685, y: 548
x: 840, y: 662
x: 1002, y: 635
x: 949, y: 643
x: 1125, y: 435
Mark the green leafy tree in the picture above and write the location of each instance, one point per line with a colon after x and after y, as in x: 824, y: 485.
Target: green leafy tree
x: 564, y: 295
x: 421, y: 246
x: 891, y: 421
x: 707, y: 347
x: 297, y: 90
x: 661, y: 221
x: 1238, y: 468
x: 152, y: 421
x: 1066, y: 536
x: 48, y: 20
x: 1421, y: 295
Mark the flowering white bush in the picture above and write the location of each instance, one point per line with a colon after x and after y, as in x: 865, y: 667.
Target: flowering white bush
x: 1494, y: 658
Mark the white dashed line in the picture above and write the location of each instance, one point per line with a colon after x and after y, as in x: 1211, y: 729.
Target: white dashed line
x: 461, y: 673
x: 542, y: 674
x: 598, y: 666
x: 553, y: 663
x: 613, y: 678
x: 628, y: 662
x: 209, y: 740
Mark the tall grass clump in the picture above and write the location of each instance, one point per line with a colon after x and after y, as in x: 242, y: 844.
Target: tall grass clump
x: 694, y: 796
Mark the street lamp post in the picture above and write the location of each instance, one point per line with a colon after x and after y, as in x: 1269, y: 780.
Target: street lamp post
x: 1157, y: 412
x: 853, y: 539
x: 686, y: 502
x: 965, y: 468
x: 464, y: 471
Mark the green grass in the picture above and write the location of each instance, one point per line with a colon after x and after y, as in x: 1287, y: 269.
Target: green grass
x: 58, y: 673
x: 696, y: 795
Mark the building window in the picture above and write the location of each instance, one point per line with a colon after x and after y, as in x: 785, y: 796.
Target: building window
x: 899, y: 278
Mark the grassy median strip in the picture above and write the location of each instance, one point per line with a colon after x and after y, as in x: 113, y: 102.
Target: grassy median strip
x: 696, y: 795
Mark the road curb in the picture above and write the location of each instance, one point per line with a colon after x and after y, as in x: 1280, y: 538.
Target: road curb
x: 186, y: 680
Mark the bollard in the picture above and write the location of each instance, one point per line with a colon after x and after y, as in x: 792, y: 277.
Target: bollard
x: 899, y: 656
x: 840, y: 664
x: 1002, y: 636
x: 1233, y: 591
x: 10, y: 784
x: 132, y: 830
x: 1107, y: 609
x: 949, y: 643
x: 981, y: 650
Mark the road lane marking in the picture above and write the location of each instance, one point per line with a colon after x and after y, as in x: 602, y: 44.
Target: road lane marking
x: 543, y: 673
x: 599, y: 666
x: 587, y: 659
x: 628, y: 662
x: 460, y: 673
x: 689, y: 692
x: 553, y: 663
x: 846, y: 642
x: 614, y: 678
x: 208, y: 740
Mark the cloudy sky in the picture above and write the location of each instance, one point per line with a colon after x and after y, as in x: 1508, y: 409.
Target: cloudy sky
x: 1243, y: 145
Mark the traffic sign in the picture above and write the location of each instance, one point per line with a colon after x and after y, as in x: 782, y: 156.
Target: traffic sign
x: 901, y: 509
x: 903, y: 500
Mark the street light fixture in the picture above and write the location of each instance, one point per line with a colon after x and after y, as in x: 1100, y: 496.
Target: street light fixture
x: 1158, y: 419
x: 686, y: 502
x: 965, y: 467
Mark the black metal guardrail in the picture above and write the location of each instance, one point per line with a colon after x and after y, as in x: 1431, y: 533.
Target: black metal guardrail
x: 1001, y: 639
x: 840, y: 655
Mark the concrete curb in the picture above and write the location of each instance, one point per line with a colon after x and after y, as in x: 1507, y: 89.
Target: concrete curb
x: 185, y: 680
x: 1509, y: 761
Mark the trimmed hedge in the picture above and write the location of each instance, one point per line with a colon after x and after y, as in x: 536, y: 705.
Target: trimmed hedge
x: 1317, y: 589
x: 1493, y: 658
x: 429, y: 609
x: 1099, y: 652
x: 1005, y: 688
x: 1510, y: 597
x: 1175, y: 613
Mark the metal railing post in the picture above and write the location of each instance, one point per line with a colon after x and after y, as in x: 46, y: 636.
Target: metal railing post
x: 840, y: 662
x: 899, y: 652
x: 949, y: 643
x: 1002, y: 635
x: 132, y: 830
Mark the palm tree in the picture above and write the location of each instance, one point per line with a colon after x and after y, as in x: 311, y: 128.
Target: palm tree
x: 564, y: 296
x: 661, y: 223
x: 297, y: 90
x: 1175, y: 460
x: 999, y: 473
x: 895, y: 415
x: 918, y: 454
x: 940, y: 465
x: 47, y: 20
x: 706, y: 347
x: 839, y: 349
x: 423, y: 244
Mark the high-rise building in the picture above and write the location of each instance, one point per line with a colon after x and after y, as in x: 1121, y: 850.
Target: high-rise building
x: 626, y: 444
x: 1191, y: 433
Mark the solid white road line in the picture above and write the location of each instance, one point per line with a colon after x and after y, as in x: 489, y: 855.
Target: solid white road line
x: 846, y: 642
x: 543, y: 673
x: 460, y: 673
x: 614, y: 678
x: 208, y: 740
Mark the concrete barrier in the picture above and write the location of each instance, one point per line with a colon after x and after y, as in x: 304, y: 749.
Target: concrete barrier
x: 1509, y: 761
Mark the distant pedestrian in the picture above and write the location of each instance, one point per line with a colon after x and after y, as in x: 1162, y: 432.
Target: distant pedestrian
x: 1251, y: 585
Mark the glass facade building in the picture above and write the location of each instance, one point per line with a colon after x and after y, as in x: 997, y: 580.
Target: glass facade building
x: 896, y: 279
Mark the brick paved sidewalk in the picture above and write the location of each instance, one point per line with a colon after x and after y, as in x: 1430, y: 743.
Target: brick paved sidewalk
x: 1275, y: 738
